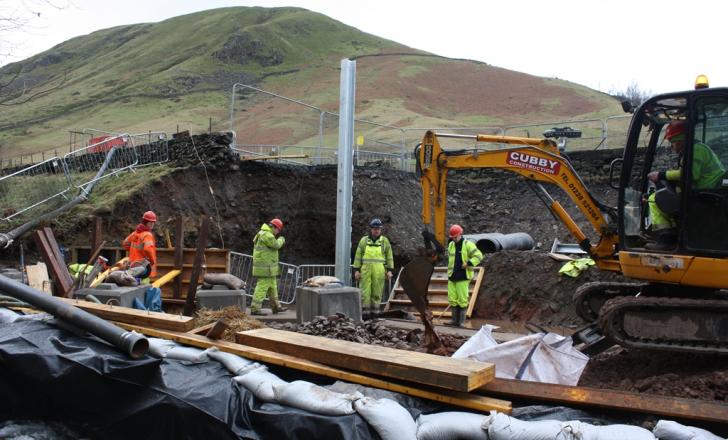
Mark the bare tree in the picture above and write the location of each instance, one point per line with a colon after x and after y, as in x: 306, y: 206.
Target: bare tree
x: 16, y: 86
x: 632, y: 93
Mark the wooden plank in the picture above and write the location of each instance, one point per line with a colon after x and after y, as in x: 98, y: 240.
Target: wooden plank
x: 202, y: 330
x: 455, y: 398
x: 96, y: 233
x: 179, y: 237
x: 169, y: 276
x: 102, y: 276
x: 672, y: 407
x: 474, y: 292
x: 256, y: 158
x: 145, y: 318
x: 58, y: 272
x: 422, y: 368
x: 197, y: 268
x: 38, y: 277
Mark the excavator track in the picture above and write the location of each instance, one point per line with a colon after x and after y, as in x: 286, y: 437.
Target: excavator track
x: 668, y: 324
x: 590, y: 297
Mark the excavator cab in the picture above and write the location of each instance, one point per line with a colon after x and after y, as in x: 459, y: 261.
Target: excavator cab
x: 699, y: 208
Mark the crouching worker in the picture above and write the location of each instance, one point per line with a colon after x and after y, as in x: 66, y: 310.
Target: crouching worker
x: 142, y: 249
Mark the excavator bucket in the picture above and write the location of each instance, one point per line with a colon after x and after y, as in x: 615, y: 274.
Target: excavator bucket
x: 415, y: 281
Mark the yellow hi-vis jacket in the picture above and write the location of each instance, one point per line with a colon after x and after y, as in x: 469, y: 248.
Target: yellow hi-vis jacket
x: 265, y: 252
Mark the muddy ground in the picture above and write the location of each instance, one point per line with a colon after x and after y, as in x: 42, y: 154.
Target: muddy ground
x: 522, y: 286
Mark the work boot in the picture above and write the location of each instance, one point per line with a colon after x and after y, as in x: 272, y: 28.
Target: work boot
x: 279, y: 309
x: 366, y: 313
x: 463, y: 315
x: 258, y: 312
x: 454, y: 316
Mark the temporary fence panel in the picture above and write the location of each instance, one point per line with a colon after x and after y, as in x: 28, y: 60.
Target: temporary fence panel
x: 152, y: 148
x: 32, y: 186
x: 617, y: 128
x: 592, y: 133
x: 241, y: 265
x: 84, y: 163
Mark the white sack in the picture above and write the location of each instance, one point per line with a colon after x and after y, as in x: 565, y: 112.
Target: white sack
x: 584, y: 431
x: 159, y: 347
x: 503, y: 427
x: 260, y: 382
x: 388, y: 418
x: 508, y: 356
x: 555, y: 360
x: 189, y: 354
x: 234, y: 363
x: 669, y: 430
x: 451, y: 426
x: 480, y: 340
x: 7, y: 316
x: 311, y: 397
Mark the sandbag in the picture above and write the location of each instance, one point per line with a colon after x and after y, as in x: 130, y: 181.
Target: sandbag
x: 189, y: 354
x: 159, y: 347
x: 234, y: 363
x: 669, y: 430
x: 322, y: 281
x: 305, y: 395
x: 260, y: 382
x: 502, y: 427
x: 584, y: 431
x: 388, y: 418
x: 451, y: 426
x: 7, y: 316
x: 226, y: 279
x: 121, y: 278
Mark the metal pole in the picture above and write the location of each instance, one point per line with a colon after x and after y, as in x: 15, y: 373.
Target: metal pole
x: 345, y: 168
x: 317, y: 159
x: 132, y: 343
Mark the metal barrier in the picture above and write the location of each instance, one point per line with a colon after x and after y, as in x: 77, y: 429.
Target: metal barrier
x: 241, y: 265
x: 152, y: 148
x: 32, y: 186
x: 89, y: 159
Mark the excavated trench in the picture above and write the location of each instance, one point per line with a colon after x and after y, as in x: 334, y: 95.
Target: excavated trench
x: 519, y: 285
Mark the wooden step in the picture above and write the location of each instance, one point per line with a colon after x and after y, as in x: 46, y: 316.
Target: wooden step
x: 432, y: 304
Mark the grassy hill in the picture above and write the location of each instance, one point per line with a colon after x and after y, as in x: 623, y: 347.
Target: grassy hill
x: 178, y: 74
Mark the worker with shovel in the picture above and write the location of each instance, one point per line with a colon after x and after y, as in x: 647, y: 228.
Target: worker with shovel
x: 463, y: 255
x: 266, y: 244
x: 143, y: 249
x: 372, y: 262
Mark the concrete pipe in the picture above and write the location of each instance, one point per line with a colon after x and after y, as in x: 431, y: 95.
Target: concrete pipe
x: 134, y: 344
x: 495, y: 241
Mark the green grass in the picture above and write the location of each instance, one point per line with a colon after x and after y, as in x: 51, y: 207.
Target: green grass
x: 164, y: 76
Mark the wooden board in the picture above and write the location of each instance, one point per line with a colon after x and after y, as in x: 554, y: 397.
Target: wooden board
x: 216, y: 261
x: 159, y: 320
x: 455, y: 398
x: 38, y: 277
x: 672, y: 407
x: 437, y: 294
x: 421, y: 368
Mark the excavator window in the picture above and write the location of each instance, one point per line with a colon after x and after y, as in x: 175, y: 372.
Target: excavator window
x: 706, y: 213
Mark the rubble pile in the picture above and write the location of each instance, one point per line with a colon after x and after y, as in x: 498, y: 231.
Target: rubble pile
x: 236, y: 319
x: 374, y: 332
x: 213, y: 149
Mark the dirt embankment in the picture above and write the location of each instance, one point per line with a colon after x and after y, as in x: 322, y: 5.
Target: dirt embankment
x: 241, y: 196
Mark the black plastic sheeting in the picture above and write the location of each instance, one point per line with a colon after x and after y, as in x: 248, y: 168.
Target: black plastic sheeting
x: 51, y: 374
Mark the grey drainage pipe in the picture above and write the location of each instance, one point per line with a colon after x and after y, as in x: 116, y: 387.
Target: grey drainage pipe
x: 495, y: 241
x: 134, y: 344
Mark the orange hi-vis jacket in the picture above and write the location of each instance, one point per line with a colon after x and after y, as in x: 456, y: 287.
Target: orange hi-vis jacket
x: 141, y: 245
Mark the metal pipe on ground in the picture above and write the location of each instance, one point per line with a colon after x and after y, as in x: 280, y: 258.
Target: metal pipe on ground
x: 495, y: 241
x: 134, y: 344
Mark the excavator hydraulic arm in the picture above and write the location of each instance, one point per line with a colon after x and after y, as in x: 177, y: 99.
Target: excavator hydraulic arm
x: 536, y: 160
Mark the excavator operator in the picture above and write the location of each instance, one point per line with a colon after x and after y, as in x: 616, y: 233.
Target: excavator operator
x: 707, y: 172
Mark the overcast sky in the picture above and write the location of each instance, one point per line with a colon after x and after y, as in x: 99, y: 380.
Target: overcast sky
x: 602, y: 44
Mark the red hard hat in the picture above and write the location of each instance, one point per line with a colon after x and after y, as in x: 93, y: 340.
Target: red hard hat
x: 675, y: 128
x: 455, y: 230
x: 149, y: 216
x: 277, y: 223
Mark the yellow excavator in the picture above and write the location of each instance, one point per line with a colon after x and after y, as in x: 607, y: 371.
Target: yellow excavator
x: 676, y: 301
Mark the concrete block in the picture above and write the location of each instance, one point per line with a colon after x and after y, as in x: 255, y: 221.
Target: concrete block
x: 109, y: 293
x: 325, y: 301
x: 219, y: 298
